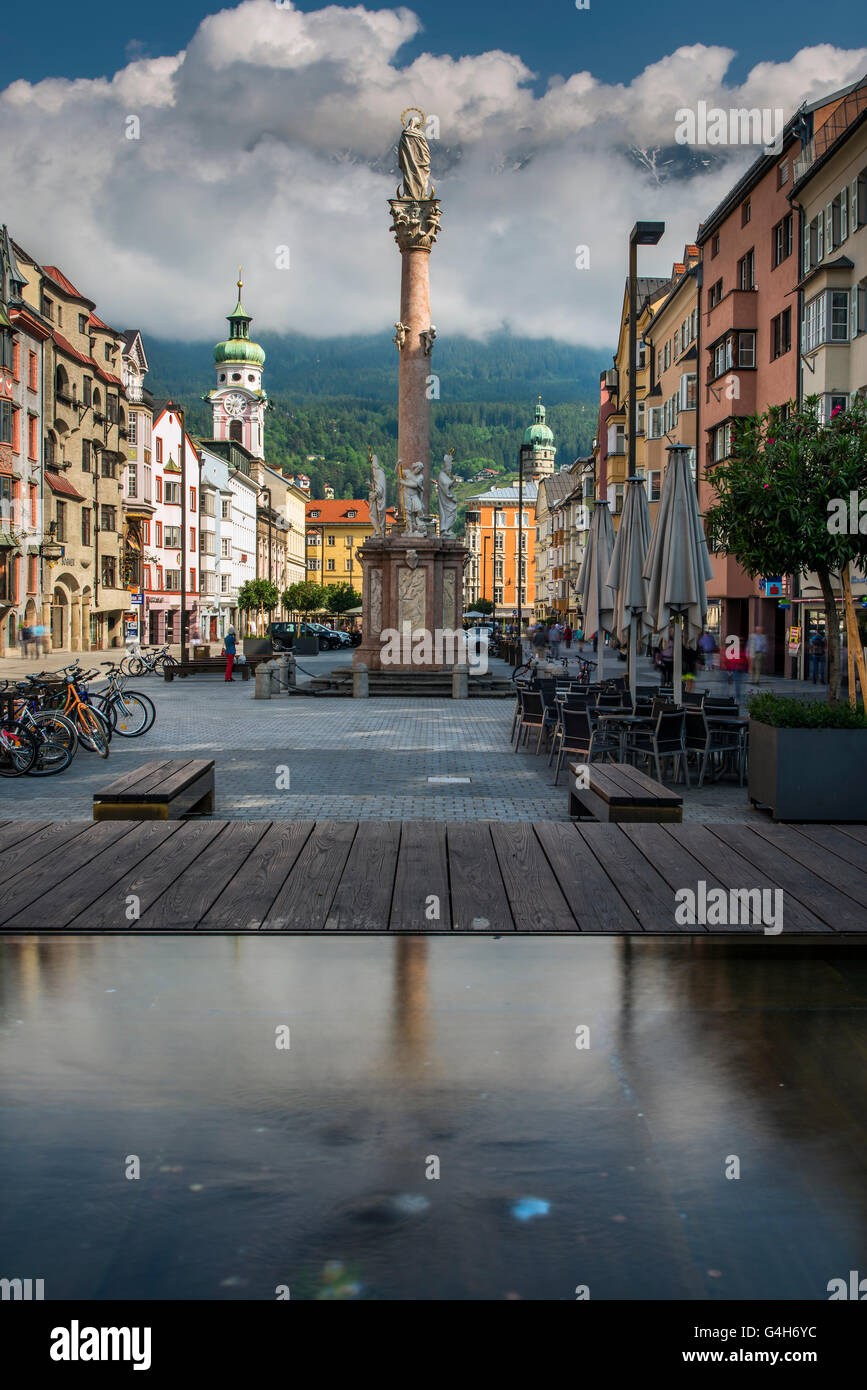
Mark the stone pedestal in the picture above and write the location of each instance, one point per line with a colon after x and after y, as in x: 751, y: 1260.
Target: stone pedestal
x: 413, y: 602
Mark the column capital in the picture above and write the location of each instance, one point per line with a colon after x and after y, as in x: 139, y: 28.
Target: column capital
x: 415, y: 222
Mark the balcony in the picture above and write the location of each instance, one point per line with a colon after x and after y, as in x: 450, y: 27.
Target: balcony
x: 737, y: 310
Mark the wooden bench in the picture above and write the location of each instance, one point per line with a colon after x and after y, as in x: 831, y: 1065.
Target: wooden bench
x: 211, y: 663
x: 619, y: 793
x: 158, y: 790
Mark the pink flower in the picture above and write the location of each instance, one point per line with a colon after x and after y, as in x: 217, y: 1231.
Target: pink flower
x: 836, y: 410
x: 766, y: 485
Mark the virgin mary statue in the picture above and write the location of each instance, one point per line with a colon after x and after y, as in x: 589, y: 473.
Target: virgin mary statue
x: 413, y: 154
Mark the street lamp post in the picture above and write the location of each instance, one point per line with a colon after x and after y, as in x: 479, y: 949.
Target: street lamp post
x: 642, y: 234
x: 519, y: 595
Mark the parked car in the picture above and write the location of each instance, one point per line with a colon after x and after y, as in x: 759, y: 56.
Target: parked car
x: 283, y: 634
x: 329, y: 638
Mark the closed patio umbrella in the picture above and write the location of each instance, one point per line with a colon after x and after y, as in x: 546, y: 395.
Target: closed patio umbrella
x: 625, y: 573
x: 677, y: 567
x: 597, y: 597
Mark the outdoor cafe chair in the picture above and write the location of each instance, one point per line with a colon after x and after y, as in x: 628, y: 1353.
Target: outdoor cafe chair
x: 533, y: 715
x: 706, y: 743
x: 659, y: 706
x: 665, y: 739
x: 576, y: 734
x: 695, y: 698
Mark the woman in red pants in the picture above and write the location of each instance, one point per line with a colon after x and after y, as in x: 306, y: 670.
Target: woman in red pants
x: 230, y: 648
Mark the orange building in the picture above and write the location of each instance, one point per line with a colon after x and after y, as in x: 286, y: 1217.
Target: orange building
x: 494, y: 536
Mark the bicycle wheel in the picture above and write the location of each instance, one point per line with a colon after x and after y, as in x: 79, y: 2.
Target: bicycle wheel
x: 135, y: 667
x: 163, y: 661
x: 131, y: 714
x: 93, y: 733
x: 50, y: 758
x: 17, y: 751
x: 58, y: 729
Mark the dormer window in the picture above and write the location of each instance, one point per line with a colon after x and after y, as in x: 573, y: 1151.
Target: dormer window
x: 315, y: 513
x: 351, y: 514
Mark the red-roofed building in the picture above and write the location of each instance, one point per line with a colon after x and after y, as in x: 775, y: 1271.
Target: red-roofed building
x: 336, y: 527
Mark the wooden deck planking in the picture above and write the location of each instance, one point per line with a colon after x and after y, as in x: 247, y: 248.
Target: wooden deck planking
x: 478, y: 894
x: 378, y: 876
x: 534, y: 894
x: 422, y: 875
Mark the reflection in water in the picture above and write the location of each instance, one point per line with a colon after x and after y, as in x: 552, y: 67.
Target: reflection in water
x: 558, y: 1166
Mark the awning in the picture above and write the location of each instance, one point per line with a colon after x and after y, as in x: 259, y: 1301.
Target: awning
x: 61, y: 485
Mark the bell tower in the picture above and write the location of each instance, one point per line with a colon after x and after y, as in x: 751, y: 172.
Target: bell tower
x: 238, y: 401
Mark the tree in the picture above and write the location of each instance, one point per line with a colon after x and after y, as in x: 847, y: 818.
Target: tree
x: 305, y: 597
x: 259, y: 594
x: 482, y: 605
x: 785, y: 505
x: 339, y: 597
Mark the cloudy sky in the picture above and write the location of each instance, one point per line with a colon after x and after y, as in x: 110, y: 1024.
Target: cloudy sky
x: 269, y: 125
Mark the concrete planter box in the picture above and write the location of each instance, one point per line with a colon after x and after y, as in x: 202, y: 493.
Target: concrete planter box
x: 257, y: 646
x: 809, y: 774
x: 306, y: 646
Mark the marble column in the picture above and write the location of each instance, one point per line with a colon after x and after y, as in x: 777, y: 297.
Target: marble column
x: 415, y: 223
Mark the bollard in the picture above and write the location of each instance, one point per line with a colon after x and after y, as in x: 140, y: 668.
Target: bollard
x: 360, y: 682
x: 274, y: 673
x: 282, y: 674
x: 263, y: 682
x: 460, y: 683
x: 290, y: 672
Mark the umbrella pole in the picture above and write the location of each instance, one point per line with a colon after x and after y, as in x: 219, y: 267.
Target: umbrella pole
x: 633, y: 675
x: 600, y: 649
x: 678, y: 660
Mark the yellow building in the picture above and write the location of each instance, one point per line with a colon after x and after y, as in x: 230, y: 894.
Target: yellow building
x: 336, y: 528
x: 614, y: 453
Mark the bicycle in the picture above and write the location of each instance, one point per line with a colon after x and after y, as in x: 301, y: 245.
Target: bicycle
x: 93, y: 727
x: 129, y: 713
x: 47, y: 726
x: 139, y: 662
x: 17, y: 750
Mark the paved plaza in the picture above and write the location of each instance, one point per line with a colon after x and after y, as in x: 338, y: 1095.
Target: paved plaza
x: 330, y: 758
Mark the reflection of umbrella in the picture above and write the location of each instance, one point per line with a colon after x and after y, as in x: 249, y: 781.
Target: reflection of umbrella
x: 625, y: 572
x: 353, y: 612
x: 597, y: 597
x: 677, y: 567
x: 475, y: 615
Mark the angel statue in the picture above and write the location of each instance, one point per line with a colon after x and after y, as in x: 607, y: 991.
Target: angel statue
x: 413, y: 156
x: 410, y: 481
x: 376, y: 496
x: 448, y: 503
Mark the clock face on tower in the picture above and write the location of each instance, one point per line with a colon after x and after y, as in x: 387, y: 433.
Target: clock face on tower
x: 234, y: 405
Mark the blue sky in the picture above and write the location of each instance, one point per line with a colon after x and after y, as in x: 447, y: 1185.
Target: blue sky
x: 614, y: 39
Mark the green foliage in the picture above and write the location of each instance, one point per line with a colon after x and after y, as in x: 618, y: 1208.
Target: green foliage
x: 339, y: 597
x: 305, y: 597
x: 784, y: 712
x: 776, y: 492
x: 259, y: 595
x: 482, y: 605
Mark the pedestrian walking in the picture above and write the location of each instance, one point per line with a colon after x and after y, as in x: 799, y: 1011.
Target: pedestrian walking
x: 737, y: 664
x: 758, y: 646
x: 707, y: 647
x: 554, y: 634
x: 230, y: 650
x: 567, y: 636
x: 817, y: 650
x: 540, y: 641
x: 666, y: 659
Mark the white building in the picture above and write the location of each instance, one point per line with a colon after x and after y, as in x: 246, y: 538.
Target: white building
x: 171, y: 537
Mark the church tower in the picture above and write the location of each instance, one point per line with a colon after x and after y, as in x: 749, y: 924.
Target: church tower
x: 238, y: 401
x: 538, y: 449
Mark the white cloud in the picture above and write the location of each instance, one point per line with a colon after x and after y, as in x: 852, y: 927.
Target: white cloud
x: 276, y: 127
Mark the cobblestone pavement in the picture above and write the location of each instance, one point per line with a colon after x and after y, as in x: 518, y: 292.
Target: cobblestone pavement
x: 346, y: 760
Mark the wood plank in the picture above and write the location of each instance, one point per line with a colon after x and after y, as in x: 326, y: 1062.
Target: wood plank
x: 363, y: 898
x: 15, y: 832
x: 642, y: 779
x: 305, y: 899
x: 129, y: 779
x: 534, y: 895
x: 185, y: 902
x: 79, y: 888
x: 150, y: 879
x: 642, y: 888
x: 170, y: 775
x: 244, y: 903
x: 856, y: 832
x: 422, y: 873
x: 479, y: 901
x: 176, y: 782
x: 829, y: 837
x: 734, y: 871
x: 830, y: 906
x: 38, y: 844
x: 595, y: 901
x: 671, y: 859
x: 52, y: 872
x: 833, y: 868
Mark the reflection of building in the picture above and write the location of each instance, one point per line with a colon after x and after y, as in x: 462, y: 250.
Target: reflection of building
x: 23, y: 336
